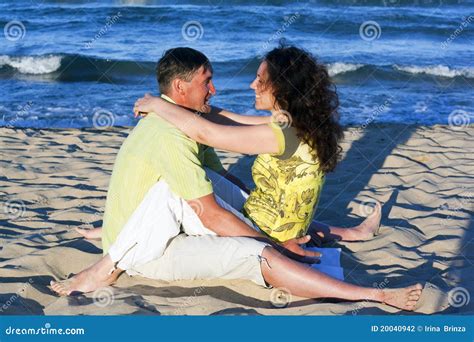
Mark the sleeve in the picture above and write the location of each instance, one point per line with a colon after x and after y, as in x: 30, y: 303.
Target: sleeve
x: 280, y: 138
x: 210, y: 159
x: 179, y: 165
x: 292, y: 142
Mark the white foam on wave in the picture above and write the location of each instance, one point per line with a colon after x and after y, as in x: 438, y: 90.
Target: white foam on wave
x: 340, y: 68
x: 437, y: 70
x: 35, y: 65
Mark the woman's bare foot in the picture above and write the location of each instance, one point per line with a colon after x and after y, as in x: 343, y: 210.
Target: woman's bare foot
x: 370, y: 227
x: 95, y: 233
x: 405, y: 298
x: 88, y: 280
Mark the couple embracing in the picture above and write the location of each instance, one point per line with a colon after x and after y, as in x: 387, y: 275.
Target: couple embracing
x: 173, y: 212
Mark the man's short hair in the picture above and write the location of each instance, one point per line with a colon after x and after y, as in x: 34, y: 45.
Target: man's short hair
x: 182, y: 63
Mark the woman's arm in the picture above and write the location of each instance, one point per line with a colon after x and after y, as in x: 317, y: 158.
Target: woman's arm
x: 243, y: 119
x: 257, y: 139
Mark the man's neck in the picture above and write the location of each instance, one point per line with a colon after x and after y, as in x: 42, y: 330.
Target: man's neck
x: 168, y: 98
x: 172, y: 99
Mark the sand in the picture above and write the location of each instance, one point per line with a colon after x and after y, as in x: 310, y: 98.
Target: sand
x: 54, y: 180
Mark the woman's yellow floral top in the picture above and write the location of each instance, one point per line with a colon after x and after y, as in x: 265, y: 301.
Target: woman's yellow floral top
x: 287, y: 189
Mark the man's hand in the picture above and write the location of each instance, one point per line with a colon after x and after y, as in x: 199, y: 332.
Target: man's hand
x: 294, y: 245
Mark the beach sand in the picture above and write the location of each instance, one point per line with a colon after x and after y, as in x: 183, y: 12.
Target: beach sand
x: 54, y: 180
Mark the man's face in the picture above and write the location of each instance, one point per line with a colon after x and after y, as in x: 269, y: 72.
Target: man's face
x: 199, y: 90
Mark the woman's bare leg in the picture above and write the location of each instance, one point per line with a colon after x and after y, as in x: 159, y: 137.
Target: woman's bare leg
x: 95, y: 233
x: 364, y: 231
x: 101, y: 274
x: 304, y: 281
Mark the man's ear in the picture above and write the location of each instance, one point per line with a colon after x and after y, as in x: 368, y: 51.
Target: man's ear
x: 178, y: 86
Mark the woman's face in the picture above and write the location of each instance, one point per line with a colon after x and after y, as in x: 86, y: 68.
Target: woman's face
x: 264, y: 99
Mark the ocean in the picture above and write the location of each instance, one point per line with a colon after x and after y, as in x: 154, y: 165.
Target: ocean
x: 84, y: 63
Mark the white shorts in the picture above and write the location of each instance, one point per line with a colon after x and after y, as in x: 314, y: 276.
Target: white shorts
x: 152, y: 243
x: 206, y: 257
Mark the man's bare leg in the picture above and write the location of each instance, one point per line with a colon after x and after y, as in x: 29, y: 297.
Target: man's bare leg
x: 304, y: 281
x: 278, y: 271
x: 95, y: 233
x: 364, y: 231
x: 96, y: 276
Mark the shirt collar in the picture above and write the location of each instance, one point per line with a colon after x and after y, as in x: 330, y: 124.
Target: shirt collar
x: 167, y: 98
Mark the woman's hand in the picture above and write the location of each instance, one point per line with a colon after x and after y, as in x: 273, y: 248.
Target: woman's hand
x: 146, y: 104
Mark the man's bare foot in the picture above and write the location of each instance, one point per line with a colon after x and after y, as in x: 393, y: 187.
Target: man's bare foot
x: 405, y: 298
x: 88, y: 280
x: 83, y: 282
x: 95, y: 233
x: 370, y: 227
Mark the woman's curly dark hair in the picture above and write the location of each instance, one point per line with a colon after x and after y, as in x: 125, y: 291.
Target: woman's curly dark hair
x: 302, y: 87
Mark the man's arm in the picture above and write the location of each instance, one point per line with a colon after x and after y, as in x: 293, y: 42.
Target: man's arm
x: 219, y: 220
x: 224, y: 223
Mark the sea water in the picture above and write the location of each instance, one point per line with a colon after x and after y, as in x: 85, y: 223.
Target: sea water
x: 66, y: 63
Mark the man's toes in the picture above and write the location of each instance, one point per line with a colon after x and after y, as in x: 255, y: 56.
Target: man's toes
x: 59, y: 288
x: 56, y: 287
x: 63, y: 291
